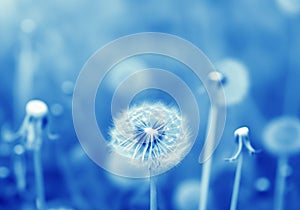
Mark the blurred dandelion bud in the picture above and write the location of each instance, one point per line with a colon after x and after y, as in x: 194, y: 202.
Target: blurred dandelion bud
x: 152, y: 135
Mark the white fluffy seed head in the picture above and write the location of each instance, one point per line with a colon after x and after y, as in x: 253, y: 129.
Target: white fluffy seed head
x: 36, y: 109
x: 242, y: 131
x: 154, y: 135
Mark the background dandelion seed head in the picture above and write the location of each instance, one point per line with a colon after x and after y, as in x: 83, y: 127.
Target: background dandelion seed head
x: 151, y: 134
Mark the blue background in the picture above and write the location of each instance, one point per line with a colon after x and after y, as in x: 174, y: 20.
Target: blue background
x: 44, y: 45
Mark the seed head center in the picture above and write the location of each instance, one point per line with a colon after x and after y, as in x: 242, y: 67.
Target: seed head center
x: 150, y: 131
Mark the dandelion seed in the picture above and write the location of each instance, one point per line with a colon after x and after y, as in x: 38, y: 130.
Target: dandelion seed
x: 29, y: 138
x: 242, y: 138
x: 151, y: 134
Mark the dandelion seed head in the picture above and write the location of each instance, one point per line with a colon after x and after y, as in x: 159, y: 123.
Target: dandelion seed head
x: 36, y: 109
x: 151, y: 134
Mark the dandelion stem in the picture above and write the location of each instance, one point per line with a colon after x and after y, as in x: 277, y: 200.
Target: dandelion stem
x: 40, y: 197
x: 280, y: 183
x: 237, y: 181
x: 153, y: 196
x: 205, y: 184
x: 206, y: 170
x: 20, y: 167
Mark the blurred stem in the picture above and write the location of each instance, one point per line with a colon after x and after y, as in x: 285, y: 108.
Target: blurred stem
x: 280, y: 183
x: 237, y: 181
x: 39, y: 181
x: 206, y: 170
x: 205, y: 179
x: 20, y: 167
